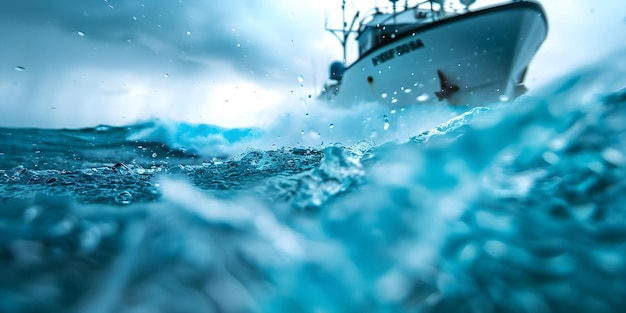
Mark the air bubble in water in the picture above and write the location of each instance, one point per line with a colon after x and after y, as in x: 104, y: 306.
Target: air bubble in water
x: 80, y: 33
x: 20, y: 68
x: 331, y: 125
x: 386, y: 124
x: 301, y: 79
x: 124, y: 197
x: 504, y: 98
x: 154, y: 155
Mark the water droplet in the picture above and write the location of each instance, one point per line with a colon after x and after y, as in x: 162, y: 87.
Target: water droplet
x: 331, y: 125
x: 300, y: 79
x: 80, y: 33
x: 154, y: 155
x: 423, y: 97
x: 20, y: 68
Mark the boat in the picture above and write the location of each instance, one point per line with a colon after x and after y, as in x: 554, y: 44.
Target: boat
x: 436, y: 51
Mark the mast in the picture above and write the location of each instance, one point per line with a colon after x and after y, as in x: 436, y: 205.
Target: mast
x: 343, y: 33
x: 394, y: 9
x: 393, y: 5
x: 344, y: 25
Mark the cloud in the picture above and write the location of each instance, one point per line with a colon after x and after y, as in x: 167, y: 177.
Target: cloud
x: 253, y: 37
x: 117, y: 61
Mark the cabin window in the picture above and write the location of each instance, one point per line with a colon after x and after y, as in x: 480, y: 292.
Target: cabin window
x: 374, y: 36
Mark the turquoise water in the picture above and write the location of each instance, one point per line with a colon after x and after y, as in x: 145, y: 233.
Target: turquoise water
x: 503, y: 208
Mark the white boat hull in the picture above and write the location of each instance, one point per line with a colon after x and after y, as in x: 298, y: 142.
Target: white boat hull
x: 484, y: 54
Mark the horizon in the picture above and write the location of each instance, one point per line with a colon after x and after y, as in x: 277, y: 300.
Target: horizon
x: 237, y: 65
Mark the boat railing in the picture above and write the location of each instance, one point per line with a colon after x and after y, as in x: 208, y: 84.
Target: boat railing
x: 390, y: 11
x: 431, y: 10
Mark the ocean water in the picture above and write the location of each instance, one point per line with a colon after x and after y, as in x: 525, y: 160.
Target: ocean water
x: 515, y: 207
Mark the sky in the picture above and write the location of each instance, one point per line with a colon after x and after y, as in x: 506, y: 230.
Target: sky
x: 237, y: 63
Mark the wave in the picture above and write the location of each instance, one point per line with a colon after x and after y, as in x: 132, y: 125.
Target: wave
x: 515, y: 208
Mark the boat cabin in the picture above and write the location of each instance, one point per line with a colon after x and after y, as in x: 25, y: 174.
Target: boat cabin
x: 382, y: 25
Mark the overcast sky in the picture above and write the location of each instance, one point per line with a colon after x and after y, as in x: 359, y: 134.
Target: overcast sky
x: 77, y: 63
